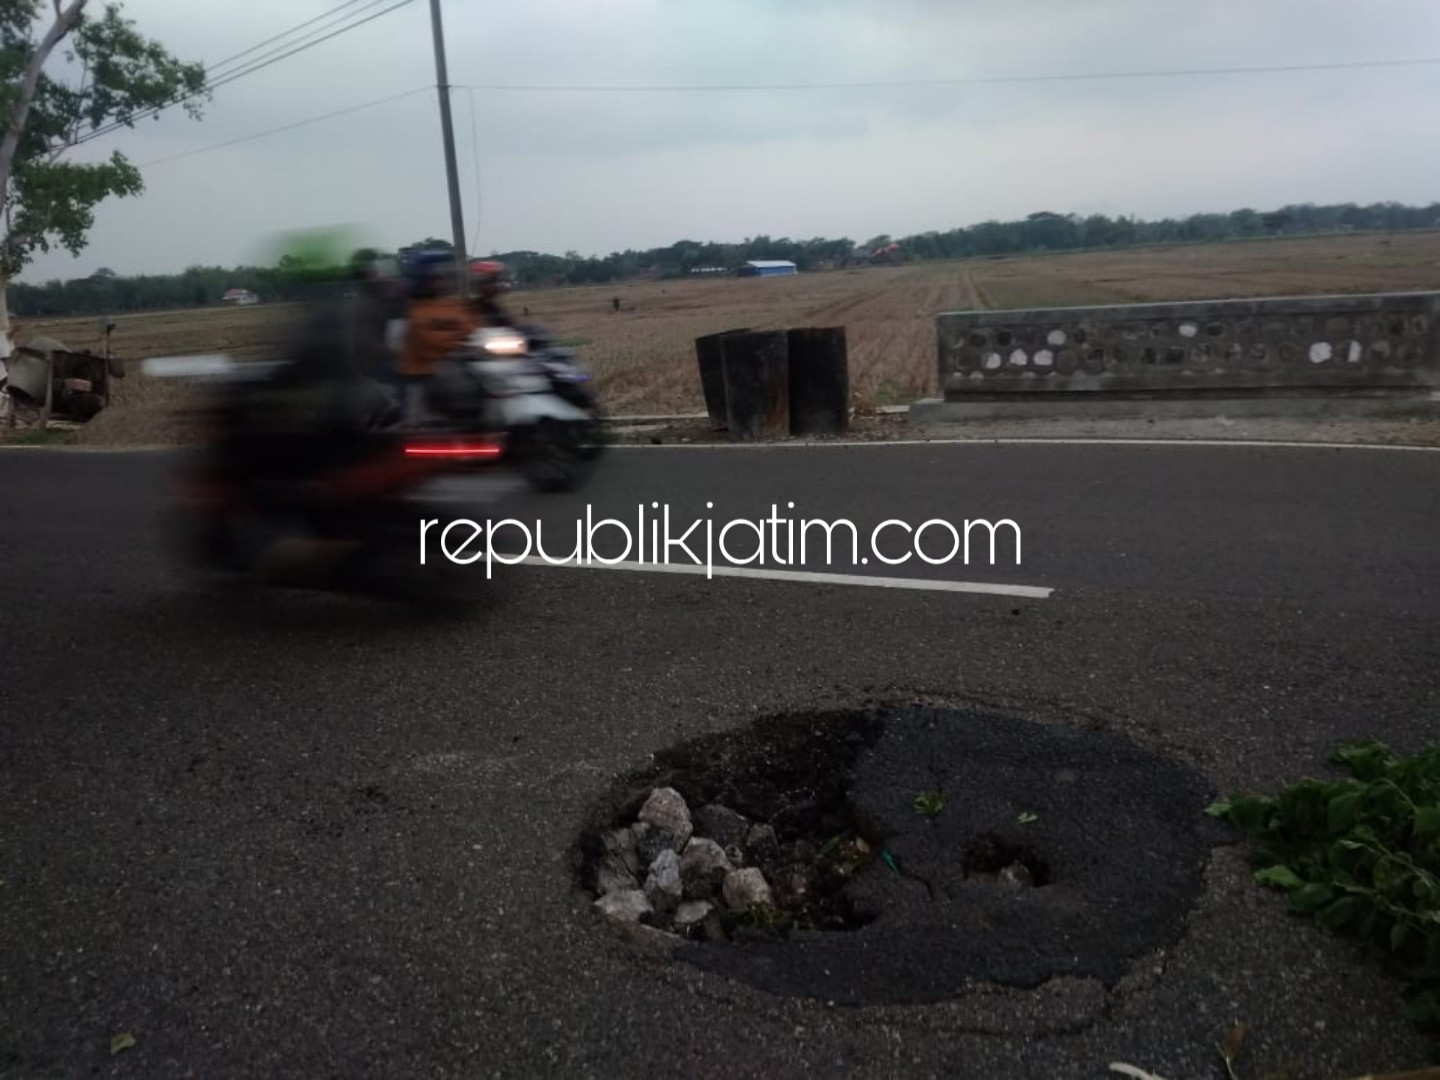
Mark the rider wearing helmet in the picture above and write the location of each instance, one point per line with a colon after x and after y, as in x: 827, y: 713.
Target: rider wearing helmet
x: 374, y: 304
x: 439, y: 321
x: 487, y: 279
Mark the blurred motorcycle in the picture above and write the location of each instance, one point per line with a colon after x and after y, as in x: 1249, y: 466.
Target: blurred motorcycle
x: 544, y: 400
x: 282, y: 501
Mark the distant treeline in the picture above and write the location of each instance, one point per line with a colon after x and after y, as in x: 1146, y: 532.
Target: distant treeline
x: 106, y: 292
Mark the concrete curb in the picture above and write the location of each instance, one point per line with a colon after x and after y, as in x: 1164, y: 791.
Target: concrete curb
x: 1041, y: 440
x: 978, y: 440
x: 941, y: 413
x: 149, y: 448
x: 678, y: 418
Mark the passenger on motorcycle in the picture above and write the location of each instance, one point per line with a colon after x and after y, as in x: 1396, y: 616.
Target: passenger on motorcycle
x: 439, y: 323
x: 487, y: 279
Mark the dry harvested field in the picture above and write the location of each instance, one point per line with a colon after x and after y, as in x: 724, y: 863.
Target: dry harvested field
x: 644, y: 355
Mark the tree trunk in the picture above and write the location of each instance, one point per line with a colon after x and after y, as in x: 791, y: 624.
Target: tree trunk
x: 65, y: 21
x: 7, y: 406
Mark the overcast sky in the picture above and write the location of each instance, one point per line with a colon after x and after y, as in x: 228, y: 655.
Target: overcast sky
x: 597, y: 172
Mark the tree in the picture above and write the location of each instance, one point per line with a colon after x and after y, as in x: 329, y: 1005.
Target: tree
x: 122, y: 75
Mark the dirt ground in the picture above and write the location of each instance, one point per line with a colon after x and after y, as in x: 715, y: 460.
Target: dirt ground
x: 644, y: 355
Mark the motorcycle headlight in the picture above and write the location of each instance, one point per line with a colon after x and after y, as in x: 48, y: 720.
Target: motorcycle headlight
x: 501, y: 342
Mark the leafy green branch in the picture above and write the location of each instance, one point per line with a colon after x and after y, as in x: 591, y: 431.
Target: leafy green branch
x: 1360, y: 855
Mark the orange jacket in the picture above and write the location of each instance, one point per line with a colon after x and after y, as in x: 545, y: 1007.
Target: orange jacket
x: 435, y: 328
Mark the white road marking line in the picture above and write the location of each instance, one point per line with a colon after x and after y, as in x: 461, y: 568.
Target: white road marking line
x: 1028, y: 591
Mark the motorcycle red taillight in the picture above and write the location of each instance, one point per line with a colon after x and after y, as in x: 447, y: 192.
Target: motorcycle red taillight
x: 463, y: 449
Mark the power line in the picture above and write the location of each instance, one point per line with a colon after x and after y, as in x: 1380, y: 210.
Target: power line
x: 470, y: 89
x: 271, y: 57
x: 248, y: 70
x: 211, y: 68
x: 971, y: 81
x: 288, y: 127
x: 232, y: 77
x: 474, y: 134
x: 216, y: 78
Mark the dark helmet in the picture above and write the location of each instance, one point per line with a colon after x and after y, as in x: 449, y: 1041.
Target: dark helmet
x: 429, y: 265
x: 369, y: 263
x: 430, y: 272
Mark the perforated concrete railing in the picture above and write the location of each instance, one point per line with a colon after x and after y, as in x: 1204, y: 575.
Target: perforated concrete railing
x: 1380, y: 342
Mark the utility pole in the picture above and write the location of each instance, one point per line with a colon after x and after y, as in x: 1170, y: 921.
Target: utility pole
x: 452, y: 171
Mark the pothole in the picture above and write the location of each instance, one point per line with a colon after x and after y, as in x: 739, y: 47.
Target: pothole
x: 992, y: 856
x: 746, y: 836
x: 899, y: 855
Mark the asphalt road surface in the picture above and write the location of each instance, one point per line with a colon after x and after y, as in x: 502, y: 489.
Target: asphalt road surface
x: 297, y: 835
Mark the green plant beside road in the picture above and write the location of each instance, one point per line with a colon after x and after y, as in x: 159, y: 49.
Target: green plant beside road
x: 1361, y: 855
x: 36, y: 437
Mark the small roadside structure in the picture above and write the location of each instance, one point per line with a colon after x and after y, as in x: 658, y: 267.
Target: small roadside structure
x: 768, y: 268
x: 239, y: 297
x: 49, y: 379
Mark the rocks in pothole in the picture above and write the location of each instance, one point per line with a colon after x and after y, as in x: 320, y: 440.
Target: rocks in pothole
x: 689, y: 874
x: 989, y: 859
x: 692, y: 914
x: 621, y: 852
x: 1015, y: 877
x: 626, y: 905
x: 747, y: 888
x: 651, y: 841
x: 703, y: 868
x: 662, y: 885
x: 761, y: 843
x: 721, y: 824
x: 614, y: 876
x: 666, y: 811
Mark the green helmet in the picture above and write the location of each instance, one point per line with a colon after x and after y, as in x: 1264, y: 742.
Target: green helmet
x: 314, y: 257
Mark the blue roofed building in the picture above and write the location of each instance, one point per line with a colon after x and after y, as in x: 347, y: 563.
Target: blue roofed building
x: 768, y: 268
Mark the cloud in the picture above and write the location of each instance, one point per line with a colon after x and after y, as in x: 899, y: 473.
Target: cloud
x: 603, y: 171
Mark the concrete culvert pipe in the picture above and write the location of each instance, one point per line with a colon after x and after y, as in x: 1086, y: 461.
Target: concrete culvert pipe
x: 28, y: 375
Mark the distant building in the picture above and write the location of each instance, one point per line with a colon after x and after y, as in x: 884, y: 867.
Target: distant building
x: 708, y: 271
x: 890, y: 253
x: 239, y: 296
x: 768, y: 268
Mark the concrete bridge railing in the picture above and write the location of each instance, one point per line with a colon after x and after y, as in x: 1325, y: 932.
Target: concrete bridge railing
x: 1367, y: 345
